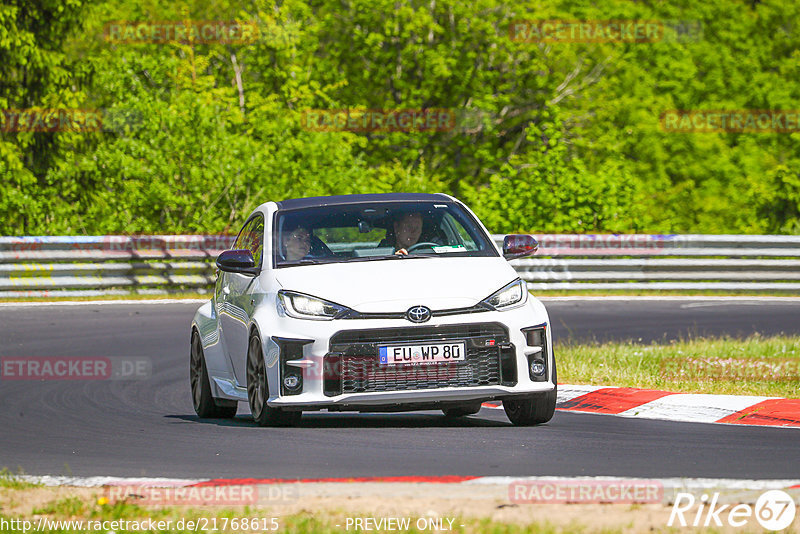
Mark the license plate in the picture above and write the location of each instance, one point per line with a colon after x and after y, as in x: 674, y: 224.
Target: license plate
x: 423, y: 354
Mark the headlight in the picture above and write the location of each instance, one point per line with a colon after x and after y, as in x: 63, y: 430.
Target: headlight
x: 303, y: 306
x: 513, y: 295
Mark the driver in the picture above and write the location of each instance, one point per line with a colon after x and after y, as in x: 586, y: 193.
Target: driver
x: 407, y: 230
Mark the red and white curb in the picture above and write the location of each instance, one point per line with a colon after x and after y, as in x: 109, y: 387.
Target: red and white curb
x: 686, y: 407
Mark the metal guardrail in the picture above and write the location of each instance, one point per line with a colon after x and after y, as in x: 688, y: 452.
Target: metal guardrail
x: 107, y: 265
x: 663, y: 262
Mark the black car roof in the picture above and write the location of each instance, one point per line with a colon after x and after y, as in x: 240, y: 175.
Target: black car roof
x: 308, y: 202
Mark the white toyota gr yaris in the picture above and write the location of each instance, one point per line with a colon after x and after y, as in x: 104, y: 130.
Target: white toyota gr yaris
x: 387, y: 302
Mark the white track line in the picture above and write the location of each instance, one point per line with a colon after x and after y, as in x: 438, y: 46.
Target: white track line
x: 144, y: 302
x: 668, y: 483
x: 99, y: 481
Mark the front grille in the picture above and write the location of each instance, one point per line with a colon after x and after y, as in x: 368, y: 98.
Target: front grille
x: 353, y: 314
x: 354, y: 353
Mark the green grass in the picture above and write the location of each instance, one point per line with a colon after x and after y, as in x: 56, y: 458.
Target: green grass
x: 758, y: 365
x: 9, y: 481
x: 68, y: 507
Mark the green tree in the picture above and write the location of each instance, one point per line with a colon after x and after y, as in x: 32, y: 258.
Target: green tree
x: 34, y: 73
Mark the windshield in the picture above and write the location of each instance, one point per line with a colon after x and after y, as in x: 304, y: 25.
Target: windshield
x: 377, y: 231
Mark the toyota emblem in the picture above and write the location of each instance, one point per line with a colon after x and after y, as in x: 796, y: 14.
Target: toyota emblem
x: 418, y: 314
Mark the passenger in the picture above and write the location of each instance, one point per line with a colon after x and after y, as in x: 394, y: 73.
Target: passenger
x: 296, y: 244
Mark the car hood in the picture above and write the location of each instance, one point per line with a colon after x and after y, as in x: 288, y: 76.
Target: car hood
x: 396, y: 285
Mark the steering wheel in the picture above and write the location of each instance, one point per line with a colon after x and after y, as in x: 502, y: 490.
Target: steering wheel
x: 424, y: 244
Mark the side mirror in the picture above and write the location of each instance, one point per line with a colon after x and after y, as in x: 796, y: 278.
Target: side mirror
x: 519, y: 246
x: 237, y: 261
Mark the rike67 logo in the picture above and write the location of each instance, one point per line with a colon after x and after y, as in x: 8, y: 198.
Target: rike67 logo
x: 774, y: 510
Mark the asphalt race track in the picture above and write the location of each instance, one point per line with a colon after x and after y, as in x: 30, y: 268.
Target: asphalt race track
x: 148, y: 427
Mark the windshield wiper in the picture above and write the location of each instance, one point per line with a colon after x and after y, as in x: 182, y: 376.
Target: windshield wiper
x: 317, y: 261
x: 304, y: 261
x: 388, y: 257
x: 370, y: 258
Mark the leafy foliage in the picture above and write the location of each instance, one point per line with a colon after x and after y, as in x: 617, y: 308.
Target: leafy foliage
x: 548, y: 137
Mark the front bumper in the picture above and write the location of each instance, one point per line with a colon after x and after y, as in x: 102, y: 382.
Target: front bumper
x: 335, y: 362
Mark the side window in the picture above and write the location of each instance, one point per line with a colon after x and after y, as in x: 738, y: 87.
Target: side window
x: 256, y: 244
x: 252, y: 238
x: 243, y: 239
x: 463, y: 235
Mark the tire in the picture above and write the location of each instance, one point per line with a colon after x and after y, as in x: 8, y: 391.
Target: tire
x: 204, y: 404
x: 258, y: 390
x: 461, y: 411
x: 533, y: 410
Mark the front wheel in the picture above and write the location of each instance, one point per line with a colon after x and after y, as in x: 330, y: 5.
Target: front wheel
x: 533, y: 410
x: 258, y: 390
x: 204, y: 404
